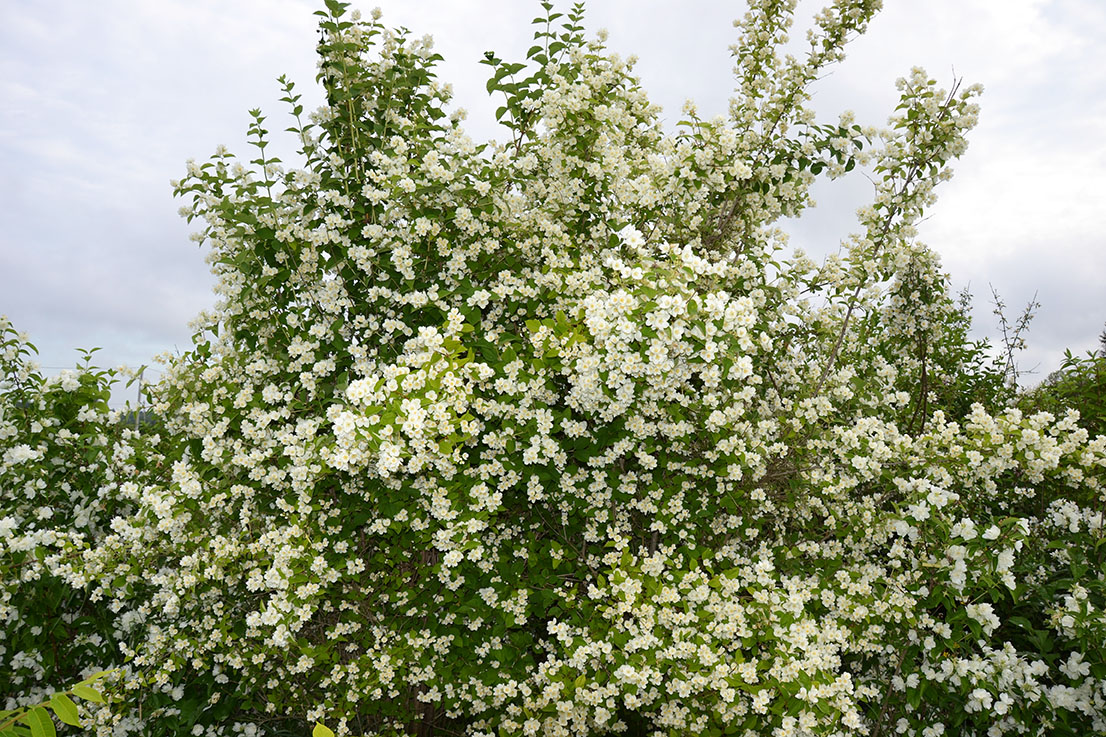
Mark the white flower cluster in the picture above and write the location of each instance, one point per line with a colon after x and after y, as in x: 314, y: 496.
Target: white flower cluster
x: 552, y: 437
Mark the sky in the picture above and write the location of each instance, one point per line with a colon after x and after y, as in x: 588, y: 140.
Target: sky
x: 102, y: 103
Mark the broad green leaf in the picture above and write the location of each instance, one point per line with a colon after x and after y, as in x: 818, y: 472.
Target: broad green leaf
x: 66, y: 710
x: 40, y: 722
x: 87, y: 693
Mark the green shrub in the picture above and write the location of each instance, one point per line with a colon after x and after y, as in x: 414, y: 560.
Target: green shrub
x: 1079, y: 384
x: 551, y: 436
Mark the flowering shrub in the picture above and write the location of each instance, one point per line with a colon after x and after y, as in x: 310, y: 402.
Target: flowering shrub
x: 1080, y: 382
x: 62, y: 455
x: 35, y: 719
x: 552, y: 436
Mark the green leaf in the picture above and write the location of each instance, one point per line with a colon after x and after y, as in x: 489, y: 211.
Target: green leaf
x: 322, y: 731
x: 87, y: 693
x: 66, y: 710
x: 40, y: 722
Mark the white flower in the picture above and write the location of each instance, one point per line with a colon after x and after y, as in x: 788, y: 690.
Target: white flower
x: 632, y: 238
x: 1075, y: 667
x: 983, y: 613
x: 919, y: 511
x: 742, y: 368
x: 20, y: 454
x: 978, y: 700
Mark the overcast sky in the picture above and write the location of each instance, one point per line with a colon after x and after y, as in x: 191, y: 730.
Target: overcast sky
x: 101, y: 104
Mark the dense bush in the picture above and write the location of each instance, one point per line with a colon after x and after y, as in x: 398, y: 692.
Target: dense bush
x: 63, y: 456
x: 68, y: 466
x: 1080, y: 383
x: 552, y: 436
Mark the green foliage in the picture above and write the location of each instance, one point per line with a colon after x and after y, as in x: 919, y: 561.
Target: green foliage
x: 35, y: 721
x: 63, y: 459
x: 1080, y: 384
